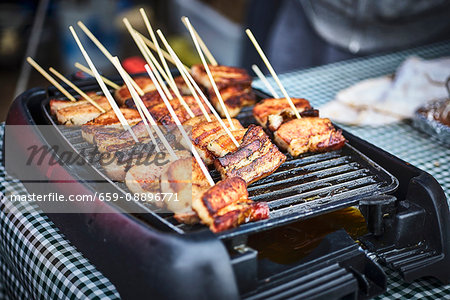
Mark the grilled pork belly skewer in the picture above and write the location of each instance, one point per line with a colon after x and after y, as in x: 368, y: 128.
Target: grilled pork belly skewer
x: 73, y: 112
x: 271, y: 113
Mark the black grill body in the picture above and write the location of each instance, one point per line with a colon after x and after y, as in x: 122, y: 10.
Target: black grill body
x: 149, y: 254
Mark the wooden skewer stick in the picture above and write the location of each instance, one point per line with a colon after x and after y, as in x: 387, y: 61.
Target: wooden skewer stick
x: 205, y: 49
x: 105, y: 90
x: 140, y: 104
x: 141, y: 107
x: 133, y: 93
x: 208, y: 71
x: 88, y: 71
x: 51, y: 79
x: 141, y: 44
x: 106, y: 53
x: 264, y: 81
x: 272, y: 71
x: 76, y: 89
x: 146, y: 55
x: 178, y: 94
x: 180, y: 127
x: 155, y: 42
x: 186, y: 74
x: 153, y: 47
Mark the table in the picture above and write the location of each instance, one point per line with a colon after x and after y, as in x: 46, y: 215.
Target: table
x: 36, y: 261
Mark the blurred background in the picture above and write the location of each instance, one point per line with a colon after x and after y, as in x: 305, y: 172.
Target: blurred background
x: 295, y: 34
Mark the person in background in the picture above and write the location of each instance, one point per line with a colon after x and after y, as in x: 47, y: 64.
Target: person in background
x: 299, y: 34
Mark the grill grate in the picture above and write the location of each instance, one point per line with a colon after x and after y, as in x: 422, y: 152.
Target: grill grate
x: 307, y: 185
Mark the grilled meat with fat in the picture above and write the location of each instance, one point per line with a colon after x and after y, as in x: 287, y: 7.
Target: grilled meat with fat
x: 256, y: 157
x: 234, y: 85
x: 108, y: 119
x: 80, y: 112
x: 185, y: 179
x: 234, y: 97
x: 122, y: 93
x: 226, y: 205
x: 271, y: 113
x: 204, y: 132
x: 56, y: 104
x: 223, y: 76
x: 308, y: 134
x: 222, y: 143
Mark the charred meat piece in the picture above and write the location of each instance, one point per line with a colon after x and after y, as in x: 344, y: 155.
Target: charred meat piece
x: 161, y: 114
x: 111, y: 141
x: 271, y: 113
x: 144, y: 177
x: 80, y: 112
x: 108, y: 119
x: 56, y: 104
x: 205, y: 132
x: 150, y: 99
x: 222, y: 144
x: 256, y: 157
x: 234, y: 97
x: 122, y: 93
x: 223, y: 76
x: 234, y: 85
x: 309, y: 134
x: 226, y: 205
x: 185, y: 179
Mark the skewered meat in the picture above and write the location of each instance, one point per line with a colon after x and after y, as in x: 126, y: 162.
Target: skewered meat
x: 205, y: 132
x: 222, y: 144
x: 149, y: 99
x: 271, y: 113
x: 223, y: 76
x: 142, y: 178
x: 108, y: 119
x: 234, y: 97
x: 80, y: 112
x: 226, y: 205
x: 185, y: 179
x: 256, y: 157
x: 234, y: 85
x: 56, y: 104
x: 122, y: 93
x: 309, y: 134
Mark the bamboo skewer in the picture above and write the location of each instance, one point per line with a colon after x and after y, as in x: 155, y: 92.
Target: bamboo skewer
x: 145, y: 54
x: 141, y: 44
x: 208, y: 71
x: 105, y: 90
x: 140, y: 105
x: 264, y: 81
x: 155, y: 42
x: 205, y: 49
x: 153, y: 47
x: 106, y: 53
x: 88, y: 71
x: 272, y: 71
x: 76, y: 89
x: 180, y: 127
x: 133, y: 94
x: 50, y: 78
x: 195, y: 85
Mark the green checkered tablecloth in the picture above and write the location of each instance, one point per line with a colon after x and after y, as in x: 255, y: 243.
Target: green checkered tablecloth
x: 37, y: 262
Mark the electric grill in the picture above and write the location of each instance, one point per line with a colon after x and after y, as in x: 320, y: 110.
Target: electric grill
x: 150, y: 254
